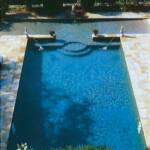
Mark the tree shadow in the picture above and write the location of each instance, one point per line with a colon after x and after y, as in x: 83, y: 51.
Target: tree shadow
x: 44, y: 12
x: 18, y: 16
x: 5, y: 26
x: 66, y: 122
x: 46, y: 116
x: 27, y: 118
x: 77, y: 130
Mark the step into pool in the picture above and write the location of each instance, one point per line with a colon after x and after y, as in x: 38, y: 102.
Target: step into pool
x: 77, y: 94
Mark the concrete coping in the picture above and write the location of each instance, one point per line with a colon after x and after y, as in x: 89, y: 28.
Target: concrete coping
x: 70, y: 20
x: 37, y: 36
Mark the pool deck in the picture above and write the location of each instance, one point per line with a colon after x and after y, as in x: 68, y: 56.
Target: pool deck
x: 89, y: 16
x: 137, y: 53
x: 117, y: 15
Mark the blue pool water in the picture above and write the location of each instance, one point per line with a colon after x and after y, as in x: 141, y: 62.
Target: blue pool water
x: 13, y: 28
x: 75, y: 94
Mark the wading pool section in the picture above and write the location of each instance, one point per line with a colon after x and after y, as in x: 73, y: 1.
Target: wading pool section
x: 76, y: 93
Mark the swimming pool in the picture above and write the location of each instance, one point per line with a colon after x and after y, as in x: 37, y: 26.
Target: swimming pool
x: 37, y: 27
x: 75, y: 92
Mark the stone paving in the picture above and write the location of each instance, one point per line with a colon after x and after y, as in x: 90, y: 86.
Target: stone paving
x: 137, y: 53
x: 119, y: 15
x: 12, y: 49
x: 24, y: 16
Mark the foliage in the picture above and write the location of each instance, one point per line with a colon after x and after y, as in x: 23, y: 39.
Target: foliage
x: 148, y: 148
x: 86, y: 147
x: 22, y: 146
x: 57, y: 5
x: 3, y: 4
x: 53, y: 5
x: 87, y: 4
x: 3, y: 7
x: 28, y: 3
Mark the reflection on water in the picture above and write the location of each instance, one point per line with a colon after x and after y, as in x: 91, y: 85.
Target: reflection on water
x: 134, y: 26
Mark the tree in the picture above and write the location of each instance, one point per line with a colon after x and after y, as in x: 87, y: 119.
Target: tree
x: 87, y: 4
x: 3, y: 7
x: 29, y: 3
x: 53, y: 5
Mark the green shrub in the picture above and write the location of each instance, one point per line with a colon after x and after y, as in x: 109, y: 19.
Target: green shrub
x: 53, y: 5
x: 86, y: 147
x: 87, y: 4
x: 148, y: 148
x: 3, y: 7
